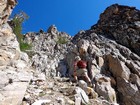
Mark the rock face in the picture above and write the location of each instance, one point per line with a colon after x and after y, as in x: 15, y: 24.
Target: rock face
x: 6, y: 7
x: 111, y: 48
x: 49, y: 51
x: 14, y: 67
x: 122, y: 23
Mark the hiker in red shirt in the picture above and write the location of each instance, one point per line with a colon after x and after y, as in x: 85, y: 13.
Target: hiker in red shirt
x: 80, y: 70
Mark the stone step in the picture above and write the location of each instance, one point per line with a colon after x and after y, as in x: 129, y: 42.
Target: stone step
x: 13, y: 86
x: 13, y: 93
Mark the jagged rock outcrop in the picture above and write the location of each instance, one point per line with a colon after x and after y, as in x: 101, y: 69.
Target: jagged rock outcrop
x: 122, y: 23
x: 49, y: 51
x: 112, y: 50
x: 14, y: 69
x: 115, y: 64
x: 6, y: 7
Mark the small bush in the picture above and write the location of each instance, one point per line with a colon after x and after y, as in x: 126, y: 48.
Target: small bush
x: 62, y: 40
x: 17, y: 28
x: 25, y: 46
x: 16, y: 23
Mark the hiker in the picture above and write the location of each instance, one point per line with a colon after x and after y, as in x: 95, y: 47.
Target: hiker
x: 80, y: 71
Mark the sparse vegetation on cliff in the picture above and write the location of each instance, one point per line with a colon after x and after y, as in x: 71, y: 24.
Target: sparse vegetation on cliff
x: 61, y: 40
x: 25, y: 46
x: 16, y: 24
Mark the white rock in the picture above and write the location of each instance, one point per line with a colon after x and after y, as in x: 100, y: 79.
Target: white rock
x: 40, y: 102
x: 13, y: 93
x: 1, y: 97
x: 78, y: 100
x: 20, y: 65
x: 24, y: 56
x: 4, y: 79
x: 24, y: 76
x: 81, y: 93
x: 82, y: 84
x: 103, y: 88
x: 27, y: 96
x: 137, y: 23
x: 39, y: 76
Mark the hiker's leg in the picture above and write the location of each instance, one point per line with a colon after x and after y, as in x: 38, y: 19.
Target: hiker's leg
x: 83, y: 73
x: 87, y: 79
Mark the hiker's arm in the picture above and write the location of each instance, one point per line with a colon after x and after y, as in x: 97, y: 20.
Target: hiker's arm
x: 75, y: 75
x: 91, y: 73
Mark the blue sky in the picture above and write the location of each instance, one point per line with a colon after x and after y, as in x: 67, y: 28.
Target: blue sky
x: 69, y: 16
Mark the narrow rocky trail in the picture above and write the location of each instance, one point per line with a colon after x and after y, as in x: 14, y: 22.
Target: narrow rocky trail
x: 55, y: 91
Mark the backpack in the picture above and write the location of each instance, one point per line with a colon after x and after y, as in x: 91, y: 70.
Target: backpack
x: 81, y: 64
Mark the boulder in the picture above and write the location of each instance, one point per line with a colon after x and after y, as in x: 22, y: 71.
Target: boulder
x: 100, y: 62
x: 80, y: 96
x: 103, y: 88
x: 118, y: 68
x: 83, y: 47
x: 130, y: 92
x: 89, y: 91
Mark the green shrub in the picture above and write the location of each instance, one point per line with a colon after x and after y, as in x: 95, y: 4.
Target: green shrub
x: 16, y: 24
x: 17, y: 28
x: 25, y: 46
x: 61, y: 40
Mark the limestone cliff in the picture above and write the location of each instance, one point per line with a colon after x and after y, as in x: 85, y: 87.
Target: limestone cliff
x: 6, y: 7
x: 49, y: 50
x: 111, y: 48
x: 13, y: 63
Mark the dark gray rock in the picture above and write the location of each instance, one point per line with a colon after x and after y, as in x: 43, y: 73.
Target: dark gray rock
x: 121, y: 23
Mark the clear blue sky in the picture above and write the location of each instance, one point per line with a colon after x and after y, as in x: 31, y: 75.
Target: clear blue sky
x: 69, y: 16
